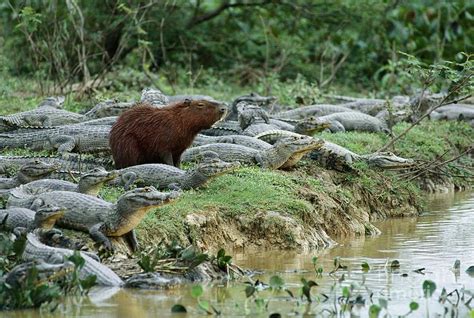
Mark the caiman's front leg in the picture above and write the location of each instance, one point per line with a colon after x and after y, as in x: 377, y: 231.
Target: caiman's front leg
x: 131, y: 240
x: 97, y: 234
x: 63, y: 143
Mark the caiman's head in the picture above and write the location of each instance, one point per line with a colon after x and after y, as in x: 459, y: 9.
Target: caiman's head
x: 311, y: 125
x: 133, y: 205
x: 301, y: 143
x: 387, y: 160
x: 145, y: 197
x: 295, y: 147
x: 47, y: 215
x: 211, y: 167
x: 111, y: 107
x: 249, y: 114
x: 36, y: 170
x: 92, y: 181
x: 20, y: 276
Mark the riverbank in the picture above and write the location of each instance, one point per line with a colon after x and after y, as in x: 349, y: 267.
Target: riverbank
x: 309, y: 207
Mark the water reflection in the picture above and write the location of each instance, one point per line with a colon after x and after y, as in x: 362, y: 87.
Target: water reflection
x: 432, y: 241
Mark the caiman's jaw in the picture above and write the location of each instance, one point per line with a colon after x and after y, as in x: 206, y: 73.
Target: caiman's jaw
x: 148, y: 197
x: 216, y: 167
x: 47, y: 216
x: 39, y: 168
x: 390, y: 161
x: 302, y: 143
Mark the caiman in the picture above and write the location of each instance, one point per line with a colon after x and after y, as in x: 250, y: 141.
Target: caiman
x: 89, y: 183
x: 165, y: 176
x: 28, y: 172
x: 349, y: 121
x: 35, y: 250
x: 43, y: 116
x: 311, y: 110
x: 101, y: 218
x: 75, y: 163
x: 45, y: 217
x: 108, y: 108
x: 21, y: 277
x: 154, y: 97
x: 242, y: 140
x: 78, y: 138
x: 335, y: 157
x: 280, y: 155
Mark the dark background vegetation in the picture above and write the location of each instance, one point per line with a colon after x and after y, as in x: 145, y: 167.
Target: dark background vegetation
x: 245, y: 43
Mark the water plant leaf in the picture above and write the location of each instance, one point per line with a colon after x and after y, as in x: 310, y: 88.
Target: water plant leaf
x: 374, y: 311
x: 276, y: 282
x: 204, y: 305
x: 196, y: 291
x: 414, y: 306
x: 395, y: 264
x: 77, y: 260
x: 221, y: 253
x: 365, y: 267
x: 178, y: 308
x: 290, y: 293
x: 346, y: 293
x: 249, y: 291
x: 88, y: 282
x: 428, y: 288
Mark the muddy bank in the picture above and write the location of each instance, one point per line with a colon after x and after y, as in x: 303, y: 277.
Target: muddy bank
x: 329, y: 205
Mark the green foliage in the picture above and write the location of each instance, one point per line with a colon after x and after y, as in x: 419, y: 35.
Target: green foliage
x: 429, y: 288
x: 354, y: 43
x: 34, y: 291
x: 223, y: 260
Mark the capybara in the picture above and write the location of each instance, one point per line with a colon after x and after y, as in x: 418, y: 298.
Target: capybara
x: 147, y: 134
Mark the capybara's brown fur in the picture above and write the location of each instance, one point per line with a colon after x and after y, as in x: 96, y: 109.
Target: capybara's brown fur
x: 147, y: 134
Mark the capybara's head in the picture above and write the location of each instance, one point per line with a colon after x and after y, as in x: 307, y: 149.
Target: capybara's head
x: 201, y: 113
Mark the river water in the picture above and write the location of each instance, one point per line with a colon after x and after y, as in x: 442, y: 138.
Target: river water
x: 432, y: 242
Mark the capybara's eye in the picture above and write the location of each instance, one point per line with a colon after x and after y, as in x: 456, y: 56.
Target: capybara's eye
x: 201, y: 104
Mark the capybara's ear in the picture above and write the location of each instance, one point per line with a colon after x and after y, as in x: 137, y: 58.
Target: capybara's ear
x: 187, y: 102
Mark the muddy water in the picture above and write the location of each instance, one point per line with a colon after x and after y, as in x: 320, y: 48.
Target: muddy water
x: 432, y: 241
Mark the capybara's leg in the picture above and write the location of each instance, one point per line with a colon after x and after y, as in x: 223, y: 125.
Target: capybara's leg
x: 167, y: 158
x: 177, y: 161
x: 129, y: 156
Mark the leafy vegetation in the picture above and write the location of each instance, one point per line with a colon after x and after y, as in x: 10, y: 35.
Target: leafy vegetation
x: 191, y: 43
x: 32, y: 289
x: 343, y: 298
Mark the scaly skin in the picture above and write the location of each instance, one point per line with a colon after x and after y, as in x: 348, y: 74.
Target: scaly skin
x: 90, y: 184
x: 282, y: 154
x: 252, y: 98
x: 223, y: 128
x: 349, y: 121
x: 246, y: 141
x: 28, y: 172
x: 74, y: 163
x: 108, y: 108
x: 45, y: 218
x: 43, y: 116
x: 21, y: 274
x: 34, y: 250
x: 154, y: 97
x: 332, y: 156
x: 101, y: 218
x: 79, y: 138
x: 312, y: 110
x: 164, y: 176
